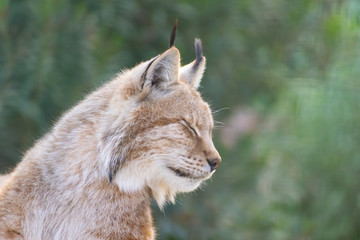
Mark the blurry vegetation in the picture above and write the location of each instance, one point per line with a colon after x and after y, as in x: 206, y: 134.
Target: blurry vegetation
x: 291, y: 68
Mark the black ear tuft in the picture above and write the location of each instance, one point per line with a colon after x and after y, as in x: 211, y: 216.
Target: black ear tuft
x: 199, y: 53
x: 192, y: 73
x: 173, y: 34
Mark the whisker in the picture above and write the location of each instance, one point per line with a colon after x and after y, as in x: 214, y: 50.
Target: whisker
x: 218, y: 125
x: 219, y: 110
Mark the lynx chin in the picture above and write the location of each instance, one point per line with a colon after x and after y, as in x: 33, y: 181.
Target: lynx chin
x: 145, y: 134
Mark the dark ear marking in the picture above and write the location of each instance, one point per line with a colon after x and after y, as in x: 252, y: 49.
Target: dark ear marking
x: 143, y: 76
x: 199, y: 53
x: 173, y: 34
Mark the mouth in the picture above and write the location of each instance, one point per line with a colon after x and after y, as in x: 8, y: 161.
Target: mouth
x: 180, y: 173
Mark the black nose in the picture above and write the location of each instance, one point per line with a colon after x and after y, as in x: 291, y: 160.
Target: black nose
x: 214, y: 163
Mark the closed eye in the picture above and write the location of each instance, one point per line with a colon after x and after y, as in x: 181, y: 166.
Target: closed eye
x: 187, y: 124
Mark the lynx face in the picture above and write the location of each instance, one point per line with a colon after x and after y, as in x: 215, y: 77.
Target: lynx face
x: 160, y: 129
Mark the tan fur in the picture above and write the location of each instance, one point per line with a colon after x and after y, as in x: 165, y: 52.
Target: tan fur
x: 94, y: 174
x: 3, y: 179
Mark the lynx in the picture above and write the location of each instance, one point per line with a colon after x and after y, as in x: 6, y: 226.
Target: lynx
x: 146, y: 134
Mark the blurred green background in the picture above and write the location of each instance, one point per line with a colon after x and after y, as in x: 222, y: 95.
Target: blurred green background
x: 282, y: 75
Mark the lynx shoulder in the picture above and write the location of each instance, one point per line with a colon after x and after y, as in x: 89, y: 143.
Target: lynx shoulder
x: 145, y: 134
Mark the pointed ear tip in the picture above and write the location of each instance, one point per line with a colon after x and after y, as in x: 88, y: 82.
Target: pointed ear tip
x: 173, y: 50
x: 171, y: 55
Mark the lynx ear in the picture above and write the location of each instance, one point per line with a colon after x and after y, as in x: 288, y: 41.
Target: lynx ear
x: 162, y: 71
x: 193, y: 72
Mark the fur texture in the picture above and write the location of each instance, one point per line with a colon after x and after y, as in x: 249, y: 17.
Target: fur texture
x: 145, y: 134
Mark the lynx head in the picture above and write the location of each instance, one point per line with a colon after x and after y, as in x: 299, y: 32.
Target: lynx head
x: 157, y: 131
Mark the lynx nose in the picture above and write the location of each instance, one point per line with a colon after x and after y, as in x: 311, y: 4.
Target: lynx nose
x: 214, y: 163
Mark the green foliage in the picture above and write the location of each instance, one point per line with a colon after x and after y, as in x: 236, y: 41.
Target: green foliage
x: 295, y: 64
